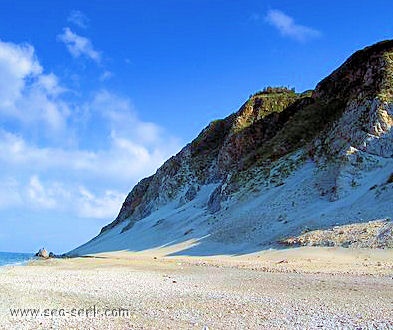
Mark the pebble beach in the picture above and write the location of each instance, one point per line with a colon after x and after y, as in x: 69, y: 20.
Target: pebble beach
x: 303, y: 288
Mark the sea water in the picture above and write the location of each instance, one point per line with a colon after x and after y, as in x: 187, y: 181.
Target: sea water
x: 9, y: 258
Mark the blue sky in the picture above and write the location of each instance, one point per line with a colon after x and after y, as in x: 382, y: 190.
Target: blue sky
x: 95, y: 95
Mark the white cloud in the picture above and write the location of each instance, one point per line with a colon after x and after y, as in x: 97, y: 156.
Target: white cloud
x: 112, y: 147
x: 26, y: 93
x: 60, y: 197
x: 123, y: 154
x: 106, y: 75
x: 287, y: 26
x: 79, y: 46
x: 50, y: 84
x: 105, y: 206
x: 41, y: 197
x: 78, y: 18
x: 73, y: 200
x: 10, y: 196
x: 17, y: 62
x: 107, y: 174
x: 120, y: 116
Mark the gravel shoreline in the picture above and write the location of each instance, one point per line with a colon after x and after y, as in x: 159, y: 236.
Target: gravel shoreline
x: 289, y: 289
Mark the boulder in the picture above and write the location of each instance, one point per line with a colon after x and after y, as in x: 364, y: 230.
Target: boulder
x: 42, y: 253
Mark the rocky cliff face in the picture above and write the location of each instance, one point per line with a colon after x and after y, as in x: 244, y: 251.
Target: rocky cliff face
x: 282, y: 162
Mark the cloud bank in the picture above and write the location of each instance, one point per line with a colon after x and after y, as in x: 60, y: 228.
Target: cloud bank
x: 75, y: 158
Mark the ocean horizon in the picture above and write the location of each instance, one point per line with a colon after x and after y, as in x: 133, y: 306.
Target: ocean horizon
x: 12, y: 258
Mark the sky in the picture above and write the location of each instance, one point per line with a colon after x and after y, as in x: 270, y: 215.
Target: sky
x: 96, y: 95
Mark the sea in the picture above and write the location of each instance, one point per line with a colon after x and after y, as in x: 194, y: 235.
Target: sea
x: 9, y: 258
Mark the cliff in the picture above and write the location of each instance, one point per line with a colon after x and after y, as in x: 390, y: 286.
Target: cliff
x: 283, y: 162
